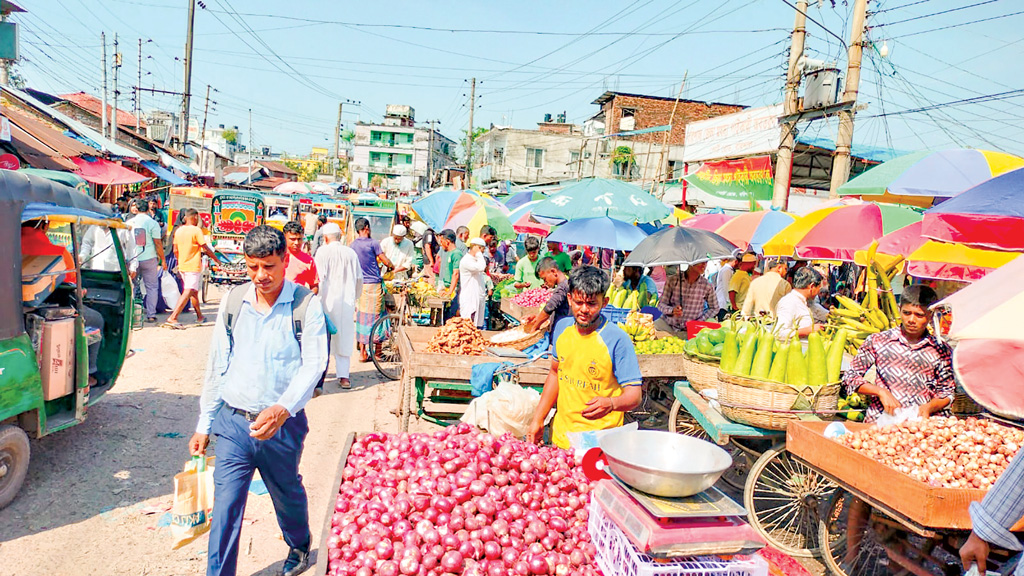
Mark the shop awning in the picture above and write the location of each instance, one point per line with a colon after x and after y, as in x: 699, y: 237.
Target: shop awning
x: 100, y: 171
x: 164, y: 174
x: 172, y: 162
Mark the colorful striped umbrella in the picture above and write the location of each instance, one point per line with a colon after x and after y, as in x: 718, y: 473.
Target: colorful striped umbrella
x: 836, y: 233
x: 897, y: 244
x: 990, y: 215
x: 517, y: 199
x: 677, y: 216
x: 922, y: 177
x: 437, y: 207
x: 482, y: 212
x: 710, y: 222
x: 950, y: 261
x: 753, y: 229
x: 523, y: 222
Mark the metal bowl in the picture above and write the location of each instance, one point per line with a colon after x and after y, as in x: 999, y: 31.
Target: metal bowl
x: 664, y: 463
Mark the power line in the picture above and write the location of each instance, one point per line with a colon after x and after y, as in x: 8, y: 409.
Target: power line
x: 961, y: 24
x: 900, y: 7
x: 985, y: 98
x: 923, y: 16
x: 820, y: 25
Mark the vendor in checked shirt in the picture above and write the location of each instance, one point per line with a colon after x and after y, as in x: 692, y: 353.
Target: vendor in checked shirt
x: 913, y: 367
x: 687, y: 296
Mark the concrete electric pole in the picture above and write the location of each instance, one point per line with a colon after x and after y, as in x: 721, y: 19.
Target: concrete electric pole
x: 103, y: 67
x: 784, y: 160
x: 469, y: 135
x: 844, y: 140
x: 138, y: 94
x: 186, y: 100
x: 117, y: 68
x: 202, y: 132
x: 337, y: 142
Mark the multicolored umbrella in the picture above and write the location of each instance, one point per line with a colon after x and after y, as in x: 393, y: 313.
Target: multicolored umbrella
x: 950, y: 261
x: 593, y: 197
x: 990, y: 215
x: 603, y: 232
x: 482, y: 212
x: 710, y: 222
x: 751, y: 230
x: 837, y: 233
x: 517, y: 199
x: 677, y: 216
x: 894, y: 245
x: 523, y: 222
x: 918, y: 179
x: 303, y: 188
x: 437, y: 207
x: 680, y: 245
x: 989, y: 354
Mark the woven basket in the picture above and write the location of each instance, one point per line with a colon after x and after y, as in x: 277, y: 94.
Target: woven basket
x: 701, y: 373
x: 770, y: 404
x: 963, y: 404
x: 521, y: 344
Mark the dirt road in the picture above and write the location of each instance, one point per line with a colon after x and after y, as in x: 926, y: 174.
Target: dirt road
x: 96, y: 494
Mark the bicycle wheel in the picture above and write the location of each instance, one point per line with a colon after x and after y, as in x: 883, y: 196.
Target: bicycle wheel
x: 870, y: 557
x: 385, y: 332
x: 681, y: 422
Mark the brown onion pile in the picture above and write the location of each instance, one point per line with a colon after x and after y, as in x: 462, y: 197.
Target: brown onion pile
x: 945, y: 452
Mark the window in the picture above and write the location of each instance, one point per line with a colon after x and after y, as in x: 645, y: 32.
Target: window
x: 499, y: 156
x: 628, y: 119
x: 574, y: 159
x: 534, y: 157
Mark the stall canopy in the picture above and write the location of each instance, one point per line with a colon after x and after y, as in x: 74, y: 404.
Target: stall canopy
x: 990, y: 215
x: 66, y: 178
x: 164, y: 174
x: 105, y: 172
x: 595, y: 197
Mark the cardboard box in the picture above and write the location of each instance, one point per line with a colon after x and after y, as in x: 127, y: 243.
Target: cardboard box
x: 57, y: 358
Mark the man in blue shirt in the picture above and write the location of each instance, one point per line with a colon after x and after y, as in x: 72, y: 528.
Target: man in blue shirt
x: 258, y: 381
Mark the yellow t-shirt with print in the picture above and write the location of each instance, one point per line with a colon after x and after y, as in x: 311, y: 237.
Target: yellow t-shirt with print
x: 597, y: 364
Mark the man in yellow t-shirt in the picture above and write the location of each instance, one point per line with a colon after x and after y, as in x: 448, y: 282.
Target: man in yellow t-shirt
x: 189, y: 245
x: 740, y: 283
x: 595, y: 376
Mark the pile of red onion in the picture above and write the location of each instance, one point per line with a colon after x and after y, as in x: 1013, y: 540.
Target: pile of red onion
x: 459, y: 501
x: 532, y: 298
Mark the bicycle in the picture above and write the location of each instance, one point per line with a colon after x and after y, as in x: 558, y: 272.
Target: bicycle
x: 388, y: 361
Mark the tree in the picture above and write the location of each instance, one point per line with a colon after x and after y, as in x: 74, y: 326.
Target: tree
x: 377, y: 181
x: 230, y: 135
x: 477, y: 148
x: 623, y: 161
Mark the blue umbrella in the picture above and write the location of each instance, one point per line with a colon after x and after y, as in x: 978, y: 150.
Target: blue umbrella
x: 517, y: 199
x: 594, y: 197
x: 603, y: 232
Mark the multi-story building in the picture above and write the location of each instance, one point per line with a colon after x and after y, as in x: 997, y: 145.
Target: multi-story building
x: 397, y: 155
x: 549, y: 153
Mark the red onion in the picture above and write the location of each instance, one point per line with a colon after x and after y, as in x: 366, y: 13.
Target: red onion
x: 452, y: 561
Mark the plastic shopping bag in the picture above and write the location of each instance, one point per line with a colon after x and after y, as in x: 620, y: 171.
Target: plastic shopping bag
x: 904, y: 414
x: 507, y: 408
x: 169, y: 288
x: 193, y: 501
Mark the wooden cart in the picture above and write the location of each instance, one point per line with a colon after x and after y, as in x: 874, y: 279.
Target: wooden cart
x: 782, y: 496
x: 909, y: 527
x: 439, y: 384
x: 322, y: 560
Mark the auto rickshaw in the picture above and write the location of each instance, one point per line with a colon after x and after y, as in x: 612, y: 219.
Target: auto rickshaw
x: 281, y: 208
x: 182, y: 197
x: 381, y: 213
x: 334, y: 209
x: 235, y: 213
x: 45, y: 385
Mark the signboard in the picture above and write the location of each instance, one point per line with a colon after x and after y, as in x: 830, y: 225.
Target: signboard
x: 5, y: 129
x: 747, y: 133
x: 236, y: 215
x: 9, y: 162
x: 746, y: 179
x: 9, y: 41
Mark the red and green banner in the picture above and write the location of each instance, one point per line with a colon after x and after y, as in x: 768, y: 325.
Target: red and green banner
x: 745, y: 179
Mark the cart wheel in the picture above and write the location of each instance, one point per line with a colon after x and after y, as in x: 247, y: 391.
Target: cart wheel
x: 870, y: 558
x: 203, y: 289
x: 782, y: 497
x: 14, y: 457
x: 410, y: 393
x: 681, y: 422
x: 389, y: 361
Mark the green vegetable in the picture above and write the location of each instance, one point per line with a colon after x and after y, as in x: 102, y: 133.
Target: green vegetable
x: 691, y: 346
x: 778, y: 371
x: 817, y: 372
x: 728, y: 325
x: 796, y: 365
x: 763, y: 357
x: 746, y: 357
x: 717, y: 336
x: 704, y: 343
x: 717, y: 350
x: 834, y: 356
x: 730, y: 351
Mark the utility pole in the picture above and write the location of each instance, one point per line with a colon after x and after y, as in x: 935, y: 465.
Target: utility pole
x: 138, y: 95
x: 469, y: 135
x: 186, y: 100
x: 249, y: 179
x: 665, y: 141
x: 103, y: 113
x: 337, y: 142
x: 202, y: 134
x: 791, y: 105
x: 844, y: 140
x: 117, y: 68
x: 430, y: 153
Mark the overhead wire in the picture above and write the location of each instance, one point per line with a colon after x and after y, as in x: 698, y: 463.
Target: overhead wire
x: 940, y: 13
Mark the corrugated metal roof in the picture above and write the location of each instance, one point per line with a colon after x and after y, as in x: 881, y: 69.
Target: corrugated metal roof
x: 92, y: 104
x: 276, y: 167
x: 101, y: 143
x: 37, y: 154
x: 60, y: 143
x: 269, y: 183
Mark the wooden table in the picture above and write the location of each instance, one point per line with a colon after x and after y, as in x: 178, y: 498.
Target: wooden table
x: 440, y: 383
x: 516, y: 311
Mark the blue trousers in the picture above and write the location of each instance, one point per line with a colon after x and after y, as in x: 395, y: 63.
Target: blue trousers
x: 238, y: 456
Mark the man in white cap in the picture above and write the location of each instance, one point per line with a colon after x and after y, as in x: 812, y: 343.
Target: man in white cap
x: 341, y: 285
x: 399, y: 250
x: 472, y: 279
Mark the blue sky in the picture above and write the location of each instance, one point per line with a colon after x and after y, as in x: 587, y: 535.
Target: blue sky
x: 292, y: 62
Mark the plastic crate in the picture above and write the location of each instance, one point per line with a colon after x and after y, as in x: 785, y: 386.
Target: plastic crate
x: 616, y: 556
x: 615, y: 314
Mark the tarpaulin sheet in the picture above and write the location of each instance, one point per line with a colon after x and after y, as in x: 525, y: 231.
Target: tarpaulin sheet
x: 100, y: 171
x: 164, y: 174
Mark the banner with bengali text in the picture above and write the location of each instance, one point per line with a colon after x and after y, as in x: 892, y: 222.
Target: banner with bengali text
x: 745, y: 179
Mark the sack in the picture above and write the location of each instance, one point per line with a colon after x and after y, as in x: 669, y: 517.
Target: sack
x: 192, y: 510
x: 169, y: 289
x: 507, y: 408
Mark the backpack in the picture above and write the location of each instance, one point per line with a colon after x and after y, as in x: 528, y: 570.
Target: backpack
x: 234, y: 305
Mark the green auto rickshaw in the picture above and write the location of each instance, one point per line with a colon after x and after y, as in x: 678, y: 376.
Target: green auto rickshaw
x: 66, y: 293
